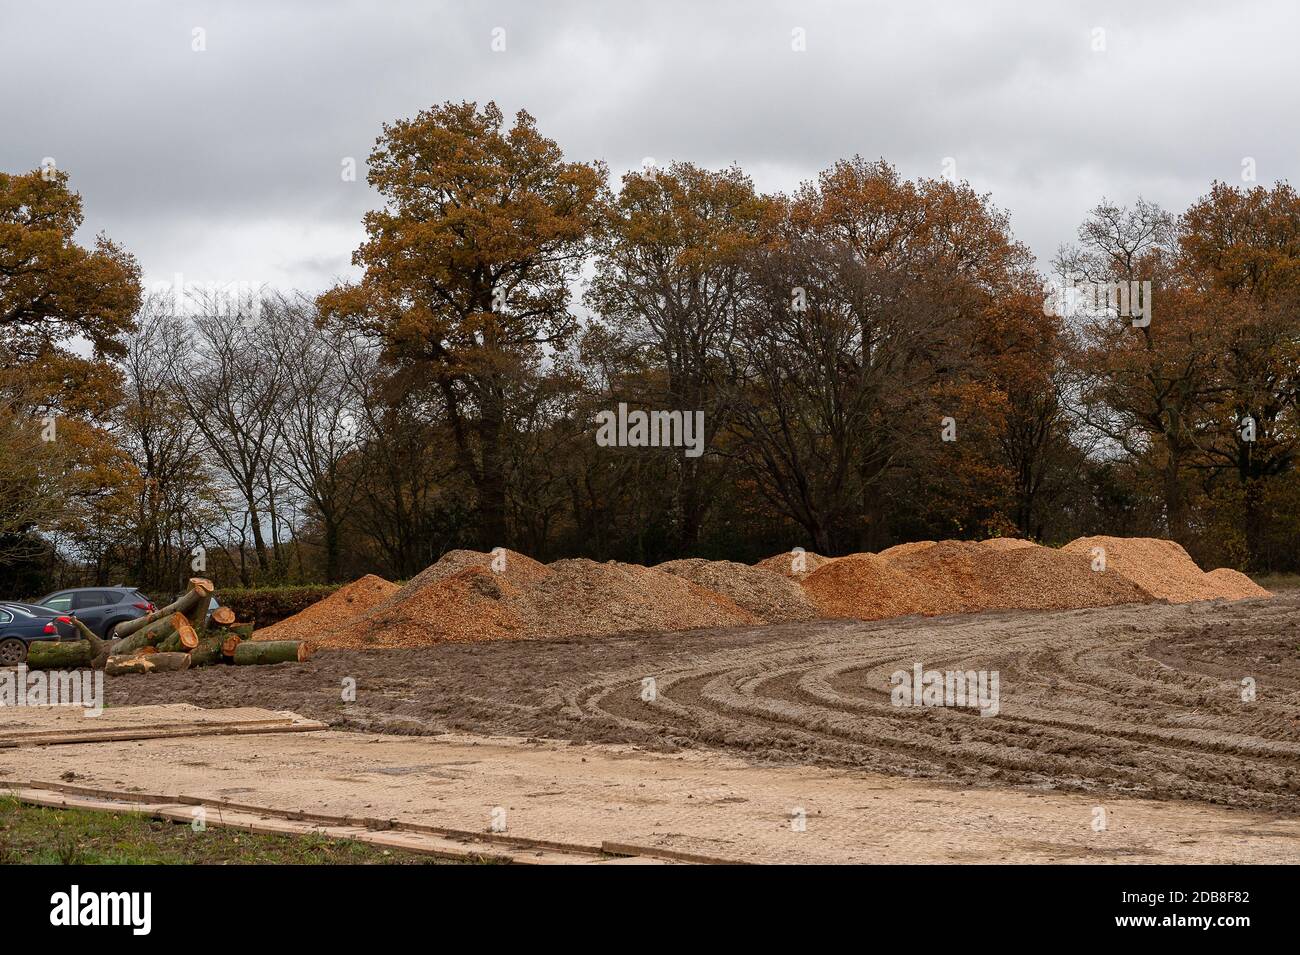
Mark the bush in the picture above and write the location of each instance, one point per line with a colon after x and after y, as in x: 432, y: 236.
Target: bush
x: 267, y: 605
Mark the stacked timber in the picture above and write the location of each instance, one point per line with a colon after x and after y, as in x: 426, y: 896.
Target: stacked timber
x: 176, y: 637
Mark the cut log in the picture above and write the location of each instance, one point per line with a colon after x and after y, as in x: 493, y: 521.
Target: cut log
x: 198, y: 611
x: 242, y: 630
x: 151, y: 635
x: 208, y: 652
x: 60, y: 655
x: 271, y: 651
x: 223, y: 616
x: 230, y: 644
x: 169, y: 661
x: 121, y: 666
x: 199, y: 587
x: 182, y: 640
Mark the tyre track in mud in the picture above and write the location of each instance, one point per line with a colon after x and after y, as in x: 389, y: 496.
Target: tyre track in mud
x: 1138, y: 700
x: 1083, y: 706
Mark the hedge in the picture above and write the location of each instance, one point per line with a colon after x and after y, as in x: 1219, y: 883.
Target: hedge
x: 267, y: 605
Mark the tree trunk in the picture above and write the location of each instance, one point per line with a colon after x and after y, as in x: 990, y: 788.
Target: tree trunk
x: 272, y: 651
x: 151, y: 635
x: 208, y: 652
x: 64, y: 655
x: 181, y: 605
x: 121, y: 666
x: 166, y: 662
x: 1175, y: 515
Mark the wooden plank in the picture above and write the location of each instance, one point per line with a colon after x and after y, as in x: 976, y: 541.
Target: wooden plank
x: 125, y: 734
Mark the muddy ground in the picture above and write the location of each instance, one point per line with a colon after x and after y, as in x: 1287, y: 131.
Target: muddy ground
x: 1141, y: 700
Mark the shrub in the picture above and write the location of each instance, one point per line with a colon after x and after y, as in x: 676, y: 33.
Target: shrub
x: 267, y: 605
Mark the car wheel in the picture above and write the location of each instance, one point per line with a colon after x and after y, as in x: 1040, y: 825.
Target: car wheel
x: 12, y: 652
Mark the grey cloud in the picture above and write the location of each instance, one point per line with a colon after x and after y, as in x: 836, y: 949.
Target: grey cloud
x: 225, y: 164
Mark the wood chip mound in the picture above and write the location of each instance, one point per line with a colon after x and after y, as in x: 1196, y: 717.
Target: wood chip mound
x: 1160, y: 567
x: 462, y: 598
x: 345, y: 604
x: 1007, y: 543
x: 968, y: 577
x: 770, y: 596
x: 524, y: 600
x: 583, y: 597
x: 911, y: 547
x: 864, y: 587
x: 789, y: 564
x: 1234, y: 585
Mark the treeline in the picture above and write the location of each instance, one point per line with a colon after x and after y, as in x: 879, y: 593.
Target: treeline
x: 875, y: 359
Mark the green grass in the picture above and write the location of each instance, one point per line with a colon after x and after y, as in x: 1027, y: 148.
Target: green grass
x: 34, y: 835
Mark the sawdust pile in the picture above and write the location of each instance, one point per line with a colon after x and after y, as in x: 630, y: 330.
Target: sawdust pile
x: 865, y: 587
x: 1234, y: 585
x: 336, y: 610
x: 1160, y: 567
x: 468, y: 596
x: 1007, y: 543
x: 898, y: 550
x: 770, y: 596
x: 967, y: 577
x: 464, y: 598
x: 789, y: 564
x: 584, y: 597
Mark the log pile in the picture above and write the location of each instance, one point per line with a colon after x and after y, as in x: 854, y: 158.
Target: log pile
x: 176, y: 637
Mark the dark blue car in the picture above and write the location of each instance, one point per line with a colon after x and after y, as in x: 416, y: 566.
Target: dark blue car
x: 21, y: 624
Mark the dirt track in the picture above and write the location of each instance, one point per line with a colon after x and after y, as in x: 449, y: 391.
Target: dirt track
x: 1143, y: 701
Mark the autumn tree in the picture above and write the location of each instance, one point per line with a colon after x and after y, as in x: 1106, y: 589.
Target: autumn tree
x: 864, y: 330
x: 671, y: 272
x: 61, y: 466
x: 467, y: 271
x: 1149, y: 374
x: 1241, y: 251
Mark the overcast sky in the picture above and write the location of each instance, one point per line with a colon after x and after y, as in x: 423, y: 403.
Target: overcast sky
x: 224, y: 165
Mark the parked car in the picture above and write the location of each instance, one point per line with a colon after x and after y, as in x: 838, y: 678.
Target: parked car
x: 99, y: 608
x: 21, y: 624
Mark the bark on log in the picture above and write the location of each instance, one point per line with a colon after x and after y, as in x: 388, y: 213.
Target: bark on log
x: 164, y: 662
x: 271, y: 651
x: 55, y: 655
x: 151, y: 635
x: 208, y: 652
x: 198, y: 612
x: 121, y: 666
